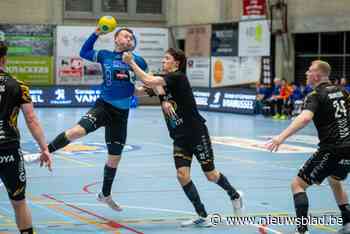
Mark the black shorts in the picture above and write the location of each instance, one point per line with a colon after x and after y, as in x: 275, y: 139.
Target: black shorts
x: 198, y: 143
x: 12, y: 173
x: 114, y: 120
x: 326, y: 162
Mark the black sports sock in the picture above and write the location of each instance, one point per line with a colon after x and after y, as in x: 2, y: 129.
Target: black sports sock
x: 345, y: 213
x: 108, y: 178
x: 301, y: 205
x: 59, y: 142
x: 192, y: 194
x: 225, y: 184
x: 27, y: 231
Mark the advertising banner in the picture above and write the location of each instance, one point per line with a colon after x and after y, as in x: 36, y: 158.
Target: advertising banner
x: 26, y: 39
x: 254, y: 38
x: 71, y: 69
x: 219, y: 99
x: 198, y: 41
x: 224, y: 39
x: 198, y: 71
x: 249, y: 69
x: 34, y: 70
x: 241, y: 101
x: 30, y: 52
x: 254, y: 9
x: 224, y: 71
x: 64, y: 96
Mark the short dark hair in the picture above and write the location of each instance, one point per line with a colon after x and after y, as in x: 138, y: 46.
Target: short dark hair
x: 123, y: 29
x: 3, y: 49
x: 179, y: 56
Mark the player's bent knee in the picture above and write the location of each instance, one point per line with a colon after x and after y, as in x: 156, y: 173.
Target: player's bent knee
x: 113, y: 160
x: 183, y: 175
x: 213, y: 176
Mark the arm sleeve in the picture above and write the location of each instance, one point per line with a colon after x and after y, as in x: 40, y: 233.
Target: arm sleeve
x: 24, y: 95
x: 87, y: 50
x: 311, y: 102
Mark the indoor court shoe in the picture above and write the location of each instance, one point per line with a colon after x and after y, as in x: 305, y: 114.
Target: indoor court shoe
x: 283, y: 117
x: 199, y: 222
x: 109, y: 201
x: 238, y: 204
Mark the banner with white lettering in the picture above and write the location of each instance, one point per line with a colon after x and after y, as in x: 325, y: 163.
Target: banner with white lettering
x: 233, y: 100
x: 254, y: 9
x: 64, y: 96
x: 30, y: 49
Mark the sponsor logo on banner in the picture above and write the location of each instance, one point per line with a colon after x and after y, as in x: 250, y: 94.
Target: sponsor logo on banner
x: 86, y: 96
x: 69, y: 96
x: 223, y: 100
x: 254, y: 38
x: 259, y: 145
x: 254, y: 9
x: 36, y: 95
x: 201, y: 98
x: 60, y: 97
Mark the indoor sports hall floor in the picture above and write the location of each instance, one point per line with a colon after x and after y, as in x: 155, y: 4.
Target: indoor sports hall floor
x: 64, y: 201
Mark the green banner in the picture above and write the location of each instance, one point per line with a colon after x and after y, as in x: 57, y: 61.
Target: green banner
x: 28, y: 40
x: 34, y: 70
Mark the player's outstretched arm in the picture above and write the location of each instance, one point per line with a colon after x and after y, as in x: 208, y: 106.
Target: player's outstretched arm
x: 298, y: 123
x: 149, y: 80
x: 37, y: 132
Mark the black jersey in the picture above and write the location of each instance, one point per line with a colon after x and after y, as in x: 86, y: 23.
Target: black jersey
x: 13, y: 93
x: 179, y: 94
x: 330, y: 105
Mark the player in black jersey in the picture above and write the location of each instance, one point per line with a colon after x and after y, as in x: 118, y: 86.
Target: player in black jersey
x: 14, y: 95
x: 328, y: 107
x: 188, y: 130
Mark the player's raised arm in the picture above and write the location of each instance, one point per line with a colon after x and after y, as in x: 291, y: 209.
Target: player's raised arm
x: 87, y: 50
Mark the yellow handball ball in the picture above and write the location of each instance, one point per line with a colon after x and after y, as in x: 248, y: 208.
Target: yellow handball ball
x: 107, y: 24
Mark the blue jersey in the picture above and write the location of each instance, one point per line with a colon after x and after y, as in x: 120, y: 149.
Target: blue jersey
x: 118, y: 79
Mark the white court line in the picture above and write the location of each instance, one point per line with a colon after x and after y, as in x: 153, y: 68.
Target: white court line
x: 148, y: 208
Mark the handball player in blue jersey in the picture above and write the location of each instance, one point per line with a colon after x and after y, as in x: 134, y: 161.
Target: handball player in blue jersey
x: 112, y: 108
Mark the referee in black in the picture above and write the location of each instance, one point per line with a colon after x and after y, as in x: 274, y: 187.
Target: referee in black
x: 14, y: 95
x: 328, y: 107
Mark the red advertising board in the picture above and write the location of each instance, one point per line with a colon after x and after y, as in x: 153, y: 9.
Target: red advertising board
x: 254, y: 8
